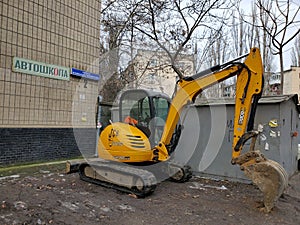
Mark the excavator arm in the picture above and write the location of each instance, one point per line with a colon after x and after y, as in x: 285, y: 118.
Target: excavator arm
x: 268, y: 175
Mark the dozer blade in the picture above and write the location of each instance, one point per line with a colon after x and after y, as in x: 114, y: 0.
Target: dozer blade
x: 270, y: 177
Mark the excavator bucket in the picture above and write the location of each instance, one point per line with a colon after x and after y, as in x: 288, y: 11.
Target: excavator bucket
x: 270, y: 177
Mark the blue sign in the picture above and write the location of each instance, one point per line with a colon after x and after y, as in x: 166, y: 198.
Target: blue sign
x: 84, y: 74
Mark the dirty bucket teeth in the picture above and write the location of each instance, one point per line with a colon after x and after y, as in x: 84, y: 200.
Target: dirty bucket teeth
x: 271, y: 179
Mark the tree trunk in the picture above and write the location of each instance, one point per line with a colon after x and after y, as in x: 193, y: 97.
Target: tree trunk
x: 281, y: 70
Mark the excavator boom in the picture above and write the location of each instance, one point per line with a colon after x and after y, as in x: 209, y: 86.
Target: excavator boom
x: 248, y: 90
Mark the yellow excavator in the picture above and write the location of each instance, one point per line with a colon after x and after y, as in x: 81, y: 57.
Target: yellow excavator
x: 136, y: 152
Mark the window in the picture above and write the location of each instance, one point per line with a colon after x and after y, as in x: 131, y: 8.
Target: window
x: 135, y: 105
x: 161, y: 106
x: 153, y: 62
x: 151, y: 78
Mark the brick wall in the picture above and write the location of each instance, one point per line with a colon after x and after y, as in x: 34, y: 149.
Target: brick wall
x: 56, y: 32
x: 38, y: 113
x: 22, y: 145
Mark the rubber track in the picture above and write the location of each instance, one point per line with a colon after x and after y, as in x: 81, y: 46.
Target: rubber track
x: 187, y: 172
x: 147, y: 177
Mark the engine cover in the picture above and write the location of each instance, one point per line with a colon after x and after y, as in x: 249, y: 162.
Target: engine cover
x: 124, y: 143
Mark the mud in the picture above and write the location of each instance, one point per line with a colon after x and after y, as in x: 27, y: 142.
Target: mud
x: 46, y: 195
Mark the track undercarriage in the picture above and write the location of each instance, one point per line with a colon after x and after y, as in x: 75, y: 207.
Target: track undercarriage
x: 138, y: 180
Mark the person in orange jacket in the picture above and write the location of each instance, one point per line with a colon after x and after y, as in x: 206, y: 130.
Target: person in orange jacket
x: 130, y: 120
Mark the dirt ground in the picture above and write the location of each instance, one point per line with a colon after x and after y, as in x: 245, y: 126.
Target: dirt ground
x: 46, y: 195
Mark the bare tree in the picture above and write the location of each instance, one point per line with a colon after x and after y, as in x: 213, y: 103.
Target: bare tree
x: 238, y: 30
x: 116, y: 25
x: 295, y: 54
x: 173, y: 25
x: 282, y: 18
x: 254, y: 36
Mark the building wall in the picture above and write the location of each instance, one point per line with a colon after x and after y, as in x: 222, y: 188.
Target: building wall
x: 291, y: 81
x: 60, y: 33
x: 153, y: 71
x: 20, y: 145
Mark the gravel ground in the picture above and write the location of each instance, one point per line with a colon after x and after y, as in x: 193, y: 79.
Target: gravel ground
x: 46, y: 195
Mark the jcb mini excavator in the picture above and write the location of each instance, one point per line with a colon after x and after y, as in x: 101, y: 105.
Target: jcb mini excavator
x: 135, y: 152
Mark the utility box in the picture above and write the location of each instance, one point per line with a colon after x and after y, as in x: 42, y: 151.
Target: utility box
x: 206, y: 140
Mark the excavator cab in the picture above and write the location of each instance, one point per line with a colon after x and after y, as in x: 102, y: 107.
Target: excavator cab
x: 145, y: 109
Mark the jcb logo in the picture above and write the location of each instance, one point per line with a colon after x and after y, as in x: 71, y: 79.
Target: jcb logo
x: 113, y: 133
x: 242, y: 116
